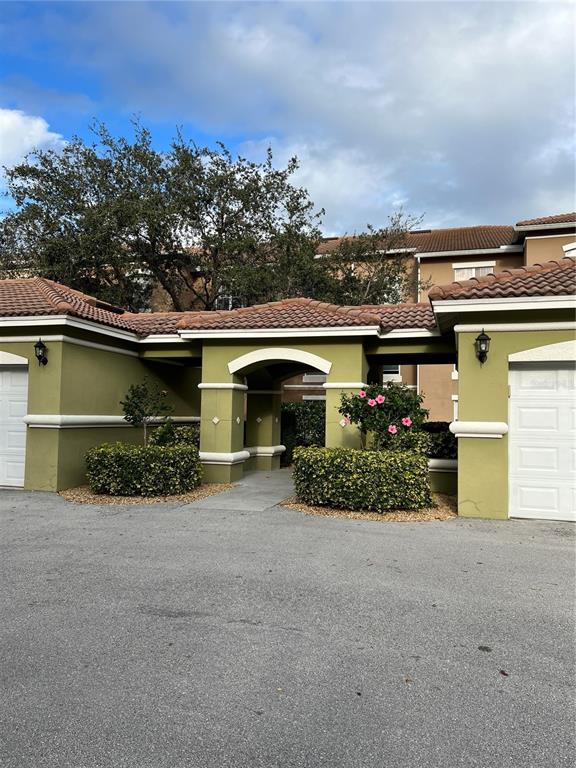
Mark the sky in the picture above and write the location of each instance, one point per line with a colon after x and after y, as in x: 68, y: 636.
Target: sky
x: 460, y: 112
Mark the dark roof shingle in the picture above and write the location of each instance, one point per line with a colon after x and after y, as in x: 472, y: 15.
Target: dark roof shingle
x: 440, y: 240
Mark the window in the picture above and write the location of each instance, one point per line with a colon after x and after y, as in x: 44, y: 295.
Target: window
x: 314, y: 378
x: 391, y: 373
x: 467, y: 271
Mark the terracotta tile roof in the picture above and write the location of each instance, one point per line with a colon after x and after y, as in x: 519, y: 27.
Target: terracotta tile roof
x: 400, y: 316
x: 440, y: 240
x: 289, y: 313
x: 39, y: 296
x: 559, y: 218
x: 554, y: 278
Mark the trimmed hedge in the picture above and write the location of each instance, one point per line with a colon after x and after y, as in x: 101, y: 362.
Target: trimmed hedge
x: 443, y: 444
x: 346, y: 478
x: 175, y: 434
x: 120, y: 469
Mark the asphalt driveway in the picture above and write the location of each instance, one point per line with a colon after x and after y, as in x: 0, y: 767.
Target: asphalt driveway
x: 236, y: 633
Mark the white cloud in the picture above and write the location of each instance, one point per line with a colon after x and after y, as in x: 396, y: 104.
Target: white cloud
x: 462, y: 111
x: 20, y: 133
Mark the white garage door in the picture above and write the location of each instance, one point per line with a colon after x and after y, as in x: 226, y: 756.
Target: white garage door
x: 13, y: 401
x: 542, y: 439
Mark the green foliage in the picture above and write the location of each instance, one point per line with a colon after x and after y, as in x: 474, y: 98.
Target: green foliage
x: 443, y: 444
x: 120, y: 469
x: 351, y: 479
x: 116, y: 216
x: 144, y: 403
x: 391, y: 414
x: 303, y: 423
x: 373, y: 267
x: 175, y: 434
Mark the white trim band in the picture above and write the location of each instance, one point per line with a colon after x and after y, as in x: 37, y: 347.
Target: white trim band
x: 443, y: 465
x: 276, y: 354
x: 563, y: 351
x: 222, y: 385
x: 237, y: 457
x: 280, y: 333
x: 456, y: 306
x: 343, y: 385
x: 75, y: 421
x: 484, y: 429
x: 503, y: 249
x: 567, y: 325
x: 266, y: 450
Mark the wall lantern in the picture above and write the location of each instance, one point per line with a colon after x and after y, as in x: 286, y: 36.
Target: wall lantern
x: 482, y: 345
x: 40, y: 352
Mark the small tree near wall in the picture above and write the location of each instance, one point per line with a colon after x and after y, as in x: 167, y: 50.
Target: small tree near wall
x: 146, y: 403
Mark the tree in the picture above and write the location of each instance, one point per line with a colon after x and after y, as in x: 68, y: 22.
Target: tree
x: 115, y: 217
x: 375, y: 266
x: 145, y: 404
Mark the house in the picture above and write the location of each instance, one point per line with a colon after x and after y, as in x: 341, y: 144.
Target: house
x: 67, y: 359
x: 445, y: 255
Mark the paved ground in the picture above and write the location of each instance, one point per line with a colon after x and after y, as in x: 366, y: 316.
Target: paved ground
x: 233, y: 633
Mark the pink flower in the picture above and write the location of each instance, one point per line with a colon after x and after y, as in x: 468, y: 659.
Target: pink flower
x: 392, y: 429
x: 380, y: 399
x: 407, y: 421
x: 361, y: 393
x: 371, y: 403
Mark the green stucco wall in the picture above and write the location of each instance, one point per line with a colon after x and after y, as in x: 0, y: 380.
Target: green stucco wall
x: 483, y: 396
x: 80, y: 380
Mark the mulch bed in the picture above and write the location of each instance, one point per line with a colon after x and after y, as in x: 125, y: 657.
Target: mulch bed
x: 445, y: 509
x: 83, y: 495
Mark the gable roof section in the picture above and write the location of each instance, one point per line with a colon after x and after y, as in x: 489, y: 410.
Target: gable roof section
x: 40, y: 296
x: 554, y: 278
x: 559, y: 218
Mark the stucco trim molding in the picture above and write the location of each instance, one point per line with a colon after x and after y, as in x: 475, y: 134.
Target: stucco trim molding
x: 7, y: 358
x: 281, y: 333
x: 266, y: 450
x: 443, y: 465
x: 343, y: 384
x: 566, y: 325
x: 484, y: 429
x: 563, y: 351
x: 77, y: 421
x: 279, y: 353
x: 236, y: 457
x: 222, y: 385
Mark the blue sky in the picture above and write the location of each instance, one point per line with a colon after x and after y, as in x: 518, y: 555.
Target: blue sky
x: 459, y: 111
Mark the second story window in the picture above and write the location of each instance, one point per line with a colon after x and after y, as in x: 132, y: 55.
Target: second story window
x: 467, y: 271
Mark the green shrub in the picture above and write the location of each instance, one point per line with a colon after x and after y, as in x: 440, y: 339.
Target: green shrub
x: 120, y: 469
x: 175, y: 434
x: 303, y: 423
x: 443, y: 444
x: 352, y: 479
x: 386, y: 413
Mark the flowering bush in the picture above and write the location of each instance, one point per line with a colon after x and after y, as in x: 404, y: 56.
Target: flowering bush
x: 391, y: 413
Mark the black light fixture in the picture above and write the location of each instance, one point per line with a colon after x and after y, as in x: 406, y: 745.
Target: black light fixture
x: 40, y: 352
x: 482, y: 345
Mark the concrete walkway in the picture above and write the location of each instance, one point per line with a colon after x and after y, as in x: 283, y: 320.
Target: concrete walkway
x: 256, y: 492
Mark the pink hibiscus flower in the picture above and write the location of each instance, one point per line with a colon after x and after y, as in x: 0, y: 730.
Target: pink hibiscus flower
x: 392, y: 429
x: 371, y: 403
x: 407, y: 421
x: 361, y: 393
x: 380, y: 399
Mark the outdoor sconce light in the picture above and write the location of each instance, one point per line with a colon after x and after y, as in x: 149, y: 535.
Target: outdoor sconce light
x: 482, y: 345
x: 40, y: 352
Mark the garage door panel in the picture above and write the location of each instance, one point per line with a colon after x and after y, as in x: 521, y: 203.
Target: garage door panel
x: 13, y: 408
x: 542, y: 443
